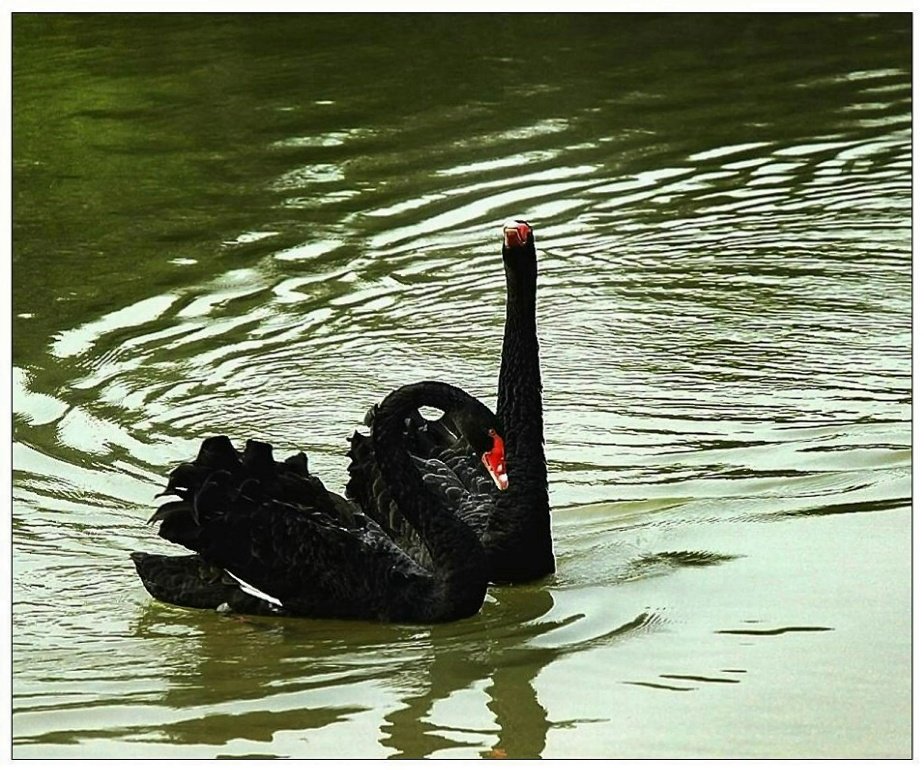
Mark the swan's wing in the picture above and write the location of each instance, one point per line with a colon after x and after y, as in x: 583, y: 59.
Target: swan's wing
x: 291, y: 559
x: 255, y: 474
x: 446, y: 477
x: 190, y: 581
x: 449, y: 466
x: 464, y: 462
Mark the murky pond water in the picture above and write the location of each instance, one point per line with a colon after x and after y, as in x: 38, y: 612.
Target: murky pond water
x: 258, y: 225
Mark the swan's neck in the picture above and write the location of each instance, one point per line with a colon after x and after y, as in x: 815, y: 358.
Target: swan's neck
x: 459, y: 565
x: 519, y: 387
x: 523, y: 511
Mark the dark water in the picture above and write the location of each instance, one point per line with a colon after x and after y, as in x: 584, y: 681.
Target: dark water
x: 258, y: 225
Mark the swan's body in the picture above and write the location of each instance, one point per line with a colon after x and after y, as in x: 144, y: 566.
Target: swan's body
x: 514, y: 527
x: 269, y: 538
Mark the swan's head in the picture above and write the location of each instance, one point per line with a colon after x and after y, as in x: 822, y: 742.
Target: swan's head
x: 517, y: 234
x: 483, y: 432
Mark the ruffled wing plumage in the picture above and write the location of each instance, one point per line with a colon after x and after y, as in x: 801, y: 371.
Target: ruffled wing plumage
x: 276, y: 528
x: 449, y: 467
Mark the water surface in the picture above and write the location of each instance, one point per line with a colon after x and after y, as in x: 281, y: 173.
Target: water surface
x: 259, y: 225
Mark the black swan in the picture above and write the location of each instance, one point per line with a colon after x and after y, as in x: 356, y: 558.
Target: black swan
x: 269, y: 538
x: 514, y: 527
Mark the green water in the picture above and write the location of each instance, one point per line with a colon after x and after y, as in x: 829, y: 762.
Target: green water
x: 259, y: 225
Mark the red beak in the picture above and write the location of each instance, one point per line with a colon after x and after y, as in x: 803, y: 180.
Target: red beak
x: 516, y: 234
x: 496, y: 462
